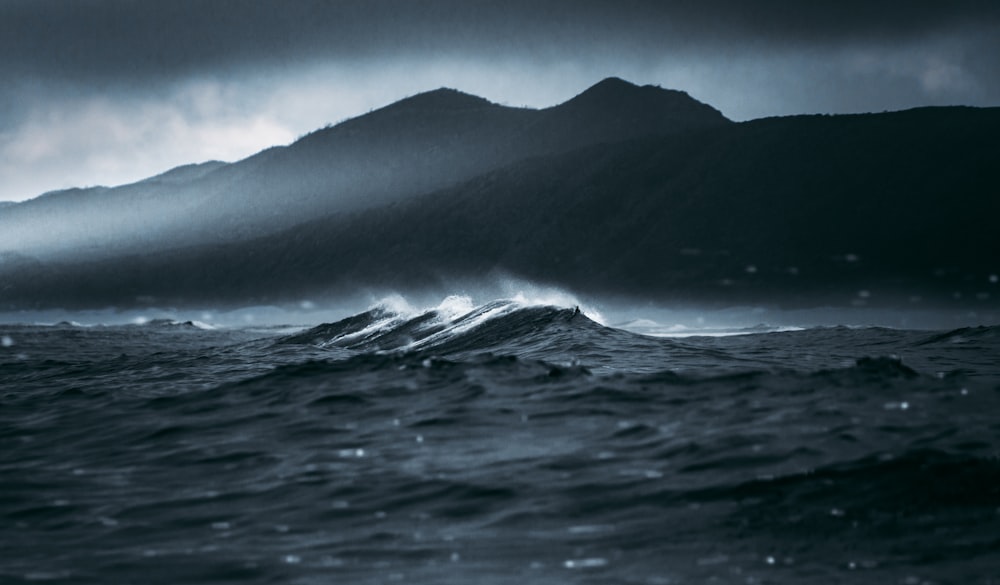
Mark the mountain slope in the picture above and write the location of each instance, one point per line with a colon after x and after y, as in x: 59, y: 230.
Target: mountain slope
x: 420, y: 144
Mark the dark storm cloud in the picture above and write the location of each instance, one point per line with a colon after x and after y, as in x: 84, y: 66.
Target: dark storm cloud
x: 126, y: 39
x: 782, y: 22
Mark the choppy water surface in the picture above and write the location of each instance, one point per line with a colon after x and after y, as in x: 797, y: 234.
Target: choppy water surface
x: 506, y: 444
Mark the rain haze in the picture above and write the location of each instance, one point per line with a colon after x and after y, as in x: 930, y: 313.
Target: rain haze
x: 108, y: 92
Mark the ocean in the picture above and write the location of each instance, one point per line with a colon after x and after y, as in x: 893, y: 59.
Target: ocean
x: 508, y: 442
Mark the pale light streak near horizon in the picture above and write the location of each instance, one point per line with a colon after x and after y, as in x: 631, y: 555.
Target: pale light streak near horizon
x: 99, y: 141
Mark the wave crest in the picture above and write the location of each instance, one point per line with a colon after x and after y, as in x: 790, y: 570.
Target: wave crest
x: 454, y: 325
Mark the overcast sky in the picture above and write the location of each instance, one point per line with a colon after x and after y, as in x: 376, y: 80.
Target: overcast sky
x: 111, y: 91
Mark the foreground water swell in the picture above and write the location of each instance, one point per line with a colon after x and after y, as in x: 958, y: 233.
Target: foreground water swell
x: 505, y: 444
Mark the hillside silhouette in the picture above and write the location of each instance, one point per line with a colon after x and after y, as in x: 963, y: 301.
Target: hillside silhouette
x: 414, y: 146
x: 874, y: 209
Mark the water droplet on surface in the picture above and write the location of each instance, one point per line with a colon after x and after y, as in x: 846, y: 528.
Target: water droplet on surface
x: 6, y: 341
x: 292, y: 559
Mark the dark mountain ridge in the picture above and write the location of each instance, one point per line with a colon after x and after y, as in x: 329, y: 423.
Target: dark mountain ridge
x: 420, y: 144
x: 875, y: 209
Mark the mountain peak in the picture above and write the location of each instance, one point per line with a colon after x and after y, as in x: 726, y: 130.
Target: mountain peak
x: 444, y: 98
x: 614, y: 91
x: 614, y: 94
x: 613, y: 84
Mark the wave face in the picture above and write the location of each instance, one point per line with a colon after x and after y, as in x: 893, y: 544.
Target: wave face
x: 507, y: 327
x: 506, y: 442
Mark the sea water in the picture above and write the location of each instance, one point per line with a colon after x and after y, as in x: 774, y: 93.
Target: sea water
x: 500, y: 443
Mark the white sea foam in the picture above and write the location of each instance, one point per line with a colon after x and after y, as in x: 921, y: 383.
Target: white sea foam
x: 468, y: 321
x: 396, y: 303
x: 532, y: 295
x: 459, y: 313
x: 455, y: 306
x: 385, y: 324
